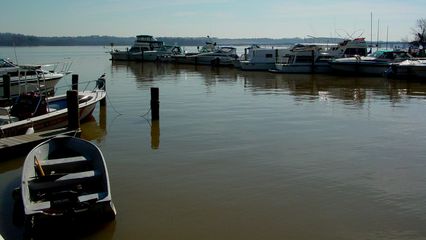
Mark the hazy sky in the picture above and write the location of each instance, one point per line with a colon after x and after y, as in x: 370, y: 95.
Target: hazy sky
x: 217, y: 18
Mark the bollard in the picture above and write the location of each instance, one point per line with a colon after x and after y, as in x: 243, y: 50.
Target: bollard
x: 6, y: 86
x: 73, y: 110
x: 74, y: 82
x: 155, y: 104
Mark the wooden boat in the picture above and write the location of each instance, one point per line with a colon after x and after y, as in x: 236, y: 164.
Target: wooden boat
x: 37, y: 112
x: 66, y: 176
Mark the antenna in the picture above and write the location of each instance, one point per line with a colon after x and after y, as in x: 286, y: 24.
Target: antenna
x: 14, y: 49
x: 378, y: 27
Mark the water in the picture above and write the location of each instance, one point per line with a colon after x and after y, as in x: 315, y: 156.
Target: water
x: 249, y: 155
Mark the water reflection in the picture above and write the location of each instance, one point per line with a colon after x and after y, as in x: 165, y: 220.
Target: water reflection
x: 350, y: 90
x: 92, y: 130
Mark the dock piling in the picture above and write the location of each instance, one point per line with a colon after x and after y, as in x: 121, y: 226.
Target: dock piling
x: 6, y: 86
x: 74, y: 82
x: 73, y: 110
x: 155, y: 104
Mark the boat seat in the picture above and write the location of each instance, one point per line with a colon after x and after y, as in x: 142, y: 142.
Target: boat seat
x: 82, y: 198
x: 66, y: 182
x: 67, y: 165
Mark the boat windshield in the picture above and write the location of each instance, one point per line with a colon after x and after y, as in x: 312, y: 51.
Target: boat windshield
x: 5, y: 63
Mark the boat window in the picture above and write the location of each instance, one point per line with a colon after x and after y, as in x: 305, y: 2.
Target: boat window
x: 304, y: 59
x: 268, y: 55
x: 355, y: 51
x: 4, y: 63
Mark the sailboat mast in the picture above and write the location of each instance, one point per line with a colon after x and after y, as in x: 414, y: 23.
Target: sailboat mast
x: 371, y: 32
x: 378, y: 27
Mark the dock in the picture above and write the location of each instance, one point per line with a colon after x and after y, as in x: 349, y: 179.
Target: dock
x: 22, y: 144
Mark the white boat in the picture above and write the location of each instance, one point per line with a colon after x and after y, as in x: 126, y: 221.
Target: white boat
x: 38, y: 112
x: 315, y: 58
x: 409, y: 68
x: 374, y: 64
x: 258, y: 58
x: 217, y: 56
x: 65, y: 177
x: 142, y: 44
x: 24, y: 78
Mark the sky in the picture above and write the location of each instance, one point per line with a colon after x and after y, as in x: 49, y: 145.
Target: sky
x: 216, y: 18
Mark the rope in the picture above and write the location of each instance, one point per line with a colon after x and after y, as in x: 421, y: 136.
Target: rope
x: 112, y: 106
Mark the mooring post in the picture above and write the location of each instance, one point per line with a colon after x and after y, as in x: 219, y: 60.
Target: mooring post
x: 101, y: 85
x: 73, y: 111
x: 6, y: 86
x: 155, y: 104
x: 74, y: 82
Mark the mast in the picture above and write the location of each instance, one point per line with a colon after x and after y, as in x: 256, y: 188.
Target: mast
x: 378, y: 27
x: 371, y: 32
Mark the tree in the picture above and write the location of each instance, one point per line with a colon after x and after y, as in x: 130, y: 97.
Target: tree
x: 420, y: 35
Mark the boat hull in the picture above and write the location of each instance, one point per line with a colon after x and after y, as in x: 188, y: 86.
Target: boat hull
x: 53, y: 119
x: 256, y: 66
x: 20, y: 85
x: 65, y: 177
x: 302, y: 68
x: 360, y: 68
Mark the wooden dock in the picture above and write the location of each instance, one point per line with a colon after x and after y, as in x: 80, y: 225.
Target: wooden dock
x: 20, y: 145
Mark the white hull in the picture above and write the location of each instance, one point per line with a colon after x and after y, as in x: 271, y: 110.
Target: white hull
x: 301, y: 68
x: 205, y: 60
x: 360, y: 68
x: 53, y: 119
x: 248, y: 65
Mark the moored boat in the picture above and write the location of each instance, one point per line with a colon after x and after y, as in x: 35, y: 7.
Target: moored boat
x: 315, y: 58
x: 39, y: 112
x: 409, y: 68
x: 65, y: 177
x: 145, y: 48
x: 219, y: 56
x: 24, y: 78
x: 374, y: 64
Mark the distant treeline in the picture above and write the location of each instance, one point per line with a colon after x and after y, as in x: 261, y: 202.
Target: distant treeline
x: 12, y: 39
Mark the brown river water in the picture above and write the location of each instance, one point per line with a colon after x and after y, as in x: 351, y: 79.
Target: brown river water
x: 247, y: 155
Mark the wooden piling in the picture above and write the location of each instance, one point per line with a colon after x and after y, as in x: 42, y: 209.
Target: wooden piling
x: 155, y: 104
x: 73, y: 110
x: 155, y: 134
x: 6, y: 86
x: 101, y: 84
x: 74, y: 82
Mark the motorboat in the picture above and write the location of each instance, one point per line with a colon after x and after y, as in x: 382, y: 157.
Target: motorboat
x: 373, y: 64
x: 316, y: 58
x: 258, y: 58
x: 65, y: 177
x: 36, y: 111
x: 142, y: 44
x: 209, y: 55
x: 163, y: 54
x: 409, y: 68
x: 24, y: 78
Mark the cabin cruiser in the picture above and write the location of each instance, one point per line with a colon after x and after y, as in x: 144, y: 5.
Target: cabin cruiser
x: 25, y: 78
x: 308, y: 58
x: 373, y: 64
x: 142, y: 44
x: 258, y: 58
x: 409, y: 68
x: 209, y: 54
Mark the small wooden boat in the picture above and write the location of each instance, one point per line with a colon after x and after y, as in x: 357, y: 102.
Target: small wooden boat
x: 66, y: 176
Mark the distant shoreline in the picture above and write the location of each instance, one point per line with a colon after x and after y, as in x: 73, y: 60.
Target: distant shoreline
x: 17, y: 40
